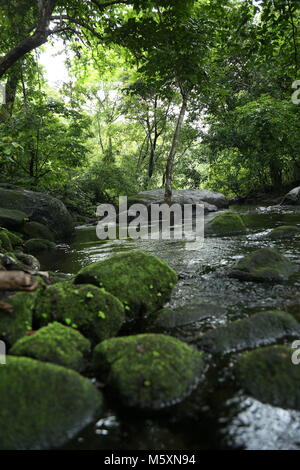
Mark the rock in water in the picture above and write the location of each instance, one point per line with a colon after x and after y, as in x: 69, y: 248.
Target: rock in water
x: 269, y: 375
x: 227, y: 223
x: 55, y: 343
x: 285, y: 231
x: 293, y: 197
x: 148, y: 371
x: 264, y: 265
x: 39, y: 207
x: 43, y: 405
x: 97, y: 314
x: 261, y: 329
x: 142, y: 282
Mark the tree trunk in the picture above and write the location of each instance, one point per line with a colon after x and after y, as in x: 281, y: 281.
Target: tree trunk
x: 171, y: 156
x: 10, y: 92
x: 30, y: 43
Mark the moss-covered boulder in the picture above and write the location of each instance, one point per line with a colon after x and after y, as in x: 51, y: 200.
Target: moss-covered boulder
x: 142, y: 282
x: 15, y: 323
x: 261, y: 329
x: 15, y: 239
x: 148, y: 371
x: 285, y: 231
x: 55, y: 343
x: 12, y: 219
x: 227, y: 223
x: 97, y: 314
x: 37, y: 245
x: 43, y: 405
x: 269, y: 375
x: 5, y: 243
x: 25, y: 261
x: 265, y: 264
x: 37, y: 230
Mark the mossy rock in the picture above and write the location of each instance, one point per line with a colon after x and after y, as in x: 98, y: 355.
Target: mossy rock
x: 34, y: 230
x: 285, y: 231
x: 269, y: 375
x: 97, y: 314
x: 15, y: 324
x: 55, y: 343
x: 15, y: 239
x: 43, y: 405
x: 227, y: 223
x: 263, y: 265
x: 26, y: 261
x: 261, y: 329
x: 5, y: 243
x: 37, y: 245
x: 148, y: 371
x: 12, y: 219
x: 142, y: 282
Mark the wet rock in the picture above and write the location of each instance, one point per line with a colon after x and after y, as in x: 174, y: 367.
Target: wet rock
x: 148, y: 371
x: 37, y: 245
x: 285, y: 231
x: 37, y: 230
x: 263, y: 265
x: 227, y: 223
x: 15, y: 323
x: 269, y: 375
x: 55, y: 343
x: 97, y: 314
x: 43, y: 405
x: 169, y: 318
x: 261, y: 329
x: 142, y: 282
x: 38, y: 207
x: 19, y: 261
x: 10, y: 218
x: 293, y: 197
x: 182, y: 196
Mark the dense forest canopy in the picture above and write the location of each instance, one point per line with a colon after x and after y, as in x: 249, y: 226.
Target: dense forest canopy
x: 177, y: 94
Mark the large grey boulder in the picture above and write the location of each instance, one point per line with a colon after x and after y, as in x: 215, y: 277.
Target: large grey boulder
x: 293, y: 197
x: 39, y: 207
x: 211, y: 200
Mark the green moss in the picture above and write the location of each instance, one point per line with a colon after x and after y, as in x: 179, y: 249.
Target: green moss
x: 269, y: 375
x: 148, y: 371
x: 80, y: 307
x: 34, y: 230
x: 227, y: 223
x: 5, y: 241
x: 55, y: 343
x: 142, y: 282
x: 13, y: 325
x: 37, y: 245
x: 266, y: 264
x: 12, y: 219
x: 43, y: 405
x: 286, y: 231
x: 260, y: 329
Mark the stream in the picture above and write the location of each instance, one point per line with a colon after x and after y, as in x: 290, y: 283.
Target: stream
x: 224, y: 418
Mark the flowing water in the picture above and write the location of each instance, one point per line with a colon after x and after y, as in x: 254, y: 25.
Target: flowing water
x: 223, y: 417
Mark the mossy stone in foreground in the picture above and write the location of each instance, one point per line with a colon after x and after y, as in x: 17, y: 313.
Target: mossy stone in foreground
x: 14, y: 324
x: 260, y: 329
x: 55, y: 343
x: 12, y: 219
x: 227, y: 223
x: 285, y: 231
x: 269, y: 375
x: 97, y: 314
x: 142, y: 282
x: 43, y: 405
x: 37, y: 245
x: 148, y: 371
x: 36, y: 230
x: 266, y: 264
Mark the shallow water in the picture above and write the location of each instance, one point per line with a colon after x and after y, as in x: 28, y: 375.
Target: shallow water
x: 224, y: 418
